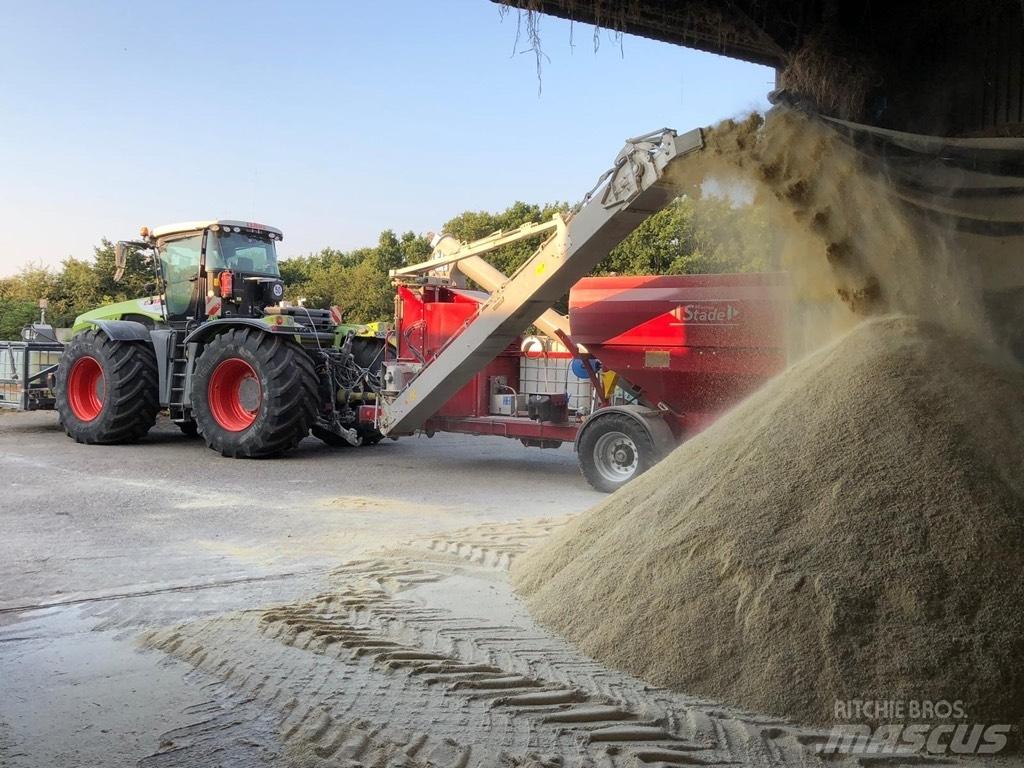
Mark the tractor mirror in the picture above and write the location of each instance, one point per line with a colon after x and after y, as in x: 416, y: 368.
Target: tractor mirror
x: 120, y: 260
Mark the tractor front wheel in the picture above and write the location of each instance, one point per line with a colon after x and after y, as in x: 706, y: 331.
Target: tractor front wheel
x: 254, y: 394
x: 106, y: 390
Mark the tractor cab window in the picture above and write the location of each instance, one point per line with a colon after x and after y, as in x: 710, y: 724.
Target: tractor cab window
x: 179, y: 259
x: 241, y: 252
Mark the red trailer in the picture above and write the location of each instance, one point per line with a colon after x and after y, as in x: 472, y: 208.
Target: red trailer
x: 680, y: 349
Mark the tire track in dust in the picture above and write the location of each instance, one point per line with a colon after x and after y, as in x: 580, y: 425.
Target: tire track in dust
x: 492, y: 544
x: 392, y: 667
x: 587, y: 718
x: 334, y: 713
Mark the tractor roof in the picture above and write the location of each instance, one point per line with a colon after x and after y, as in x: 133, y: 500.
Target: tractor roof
x: 193, y: 226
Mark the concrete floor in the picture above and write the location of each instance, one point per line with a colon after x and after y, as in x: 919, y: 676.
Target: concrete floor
x: 164, y: 607
x: 100, y: 543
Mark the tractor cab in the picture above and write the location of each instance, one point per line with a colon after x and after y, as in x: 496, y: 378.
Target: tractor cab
x: 212, y: 269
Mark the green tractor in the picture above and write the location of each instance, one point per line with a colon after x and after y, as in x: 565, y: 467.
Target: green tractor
x: 219, y: 351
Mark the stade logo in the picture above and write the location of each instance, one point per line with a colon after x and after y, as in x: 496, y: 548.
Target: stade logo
x: 708, y: 313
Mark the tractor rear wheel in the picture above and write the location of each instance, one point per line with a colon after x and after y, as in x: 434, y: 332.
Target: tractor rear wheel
x: 254, y: 394
x: 106, y: 390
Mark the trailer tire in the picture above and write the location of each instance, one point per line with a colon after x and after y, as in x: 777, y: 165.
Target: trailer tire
x: 254, y: 394
x: 106, y: 391
x: 188, y: 428
x: 614, y: 449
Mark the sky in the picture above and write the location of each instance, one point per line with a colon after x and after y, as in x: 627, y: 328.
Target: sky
x: 330, y: 120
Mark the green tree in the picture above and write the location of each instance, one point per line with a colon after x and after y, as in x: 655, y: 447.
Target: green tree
x: 19, y: 299
x: 77, y: 290
x: 77, y: 287
x: 357, y: 281
x: 415, y: 248
x: 473, y: 225
x: 15, y: 314
x: 695, y: 236
x: 139, y: 277
x: 33, y: 282
x: 713, y: 234
x: 389, y: 251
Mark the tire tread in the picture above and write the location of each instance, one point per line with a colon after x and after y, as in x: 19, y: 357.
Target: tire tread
x: 291, y: 397
x: 131, y: 387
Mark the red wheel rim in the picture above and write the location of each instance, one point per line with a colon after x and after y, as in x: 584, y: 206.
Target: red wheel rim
x: 234, y: 395
x: 86, y: 388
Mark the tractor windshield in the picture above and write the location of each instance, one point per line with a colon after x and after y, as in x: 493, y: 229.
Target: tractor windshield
x: 245, y: 252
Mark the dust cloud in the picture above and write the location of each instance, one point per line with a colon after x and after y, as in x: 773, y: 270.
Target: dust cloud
x: 853, y: 243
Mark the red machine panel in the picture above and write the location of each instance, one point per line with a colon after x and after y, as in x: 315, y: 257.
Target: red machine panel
x: 428, y: 318
x: 696, y: 343
x: 736, y: 310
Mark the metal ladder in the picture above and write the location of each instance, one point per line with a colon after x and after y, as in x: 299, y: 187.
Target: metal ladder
x: 178, y: 368
x: 637, y: 186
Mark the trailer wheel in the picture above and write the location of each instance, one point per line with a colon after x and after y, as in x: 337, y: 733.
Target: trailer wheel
x: 188, y: 428
x: 254, y: 394
x: 106, y: 391
x: 613, y: 450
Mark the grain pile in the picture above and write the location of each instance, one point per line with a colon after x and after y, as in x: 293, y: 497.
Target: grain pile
x: 853, y: 530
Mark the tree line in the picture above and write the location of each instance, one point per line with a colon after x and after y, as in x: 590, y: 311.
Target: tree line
x: 711, y: 234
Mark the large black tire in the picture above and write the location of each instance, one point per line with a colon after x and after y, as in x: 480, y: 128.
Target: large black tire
x: 106, y: 390
x: 613, y: 450
x: 254, y: 394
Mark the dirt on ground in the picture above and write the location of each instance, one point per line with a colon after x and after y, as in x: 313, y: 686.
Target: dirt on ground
x: 145, y: 626
x: 102, y: 543
x: 855, y: 530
